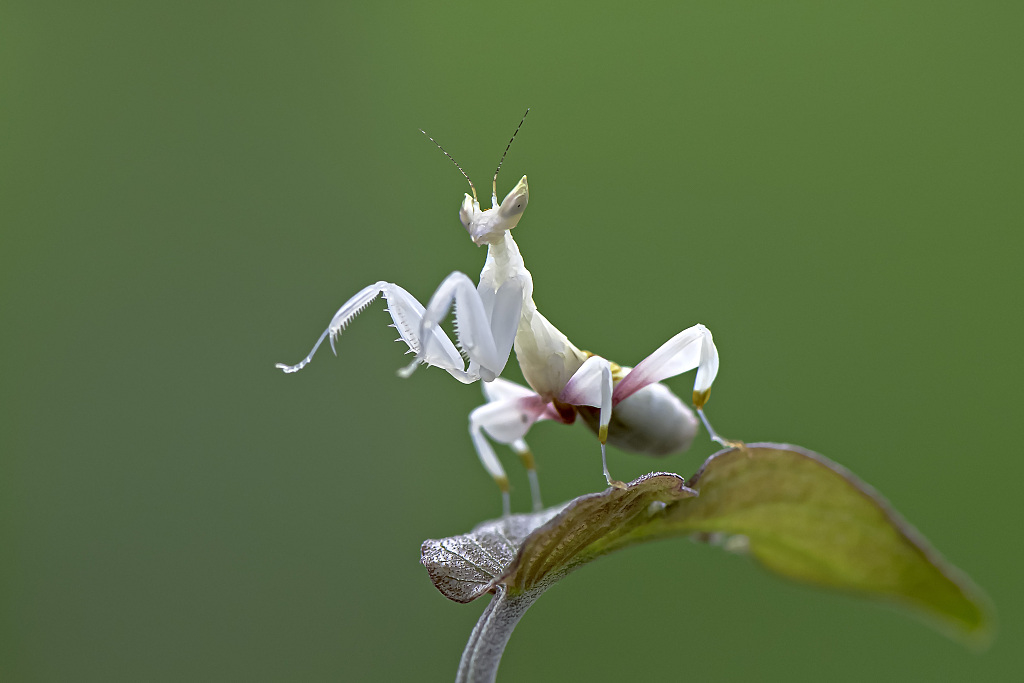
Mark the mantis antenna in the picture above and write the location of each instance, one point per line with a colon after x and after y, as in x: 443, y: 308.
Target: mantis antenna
x: 494, y: 183
x: 471, y: 186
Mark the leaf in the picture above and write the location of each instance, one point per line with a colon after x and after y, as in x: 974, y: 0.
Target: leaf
x: 811, y: 520
x: 796, y: 512
x: 465, y: 567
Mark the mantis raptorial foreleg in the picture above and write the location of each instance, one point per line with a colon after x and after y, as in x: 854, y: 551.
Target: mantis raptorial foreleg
x: 486, y: 328
x: 406, y: 312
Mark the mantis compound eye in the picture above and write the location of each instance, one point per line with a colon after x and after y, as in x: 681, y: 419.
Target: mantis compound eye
x: 466, y: 212
x: 515, y: 203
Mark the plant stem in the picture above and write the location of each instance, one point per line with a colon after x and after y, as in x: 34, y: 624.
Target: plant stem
x: 487, y: 642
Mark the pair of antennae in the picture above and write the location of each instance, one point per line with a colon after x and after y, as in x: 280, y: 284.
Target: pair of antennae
x: 494, y: 182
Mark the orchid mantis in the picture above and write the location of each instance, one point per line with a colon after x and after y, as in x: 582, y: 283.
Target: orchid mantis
x: 627, y: 407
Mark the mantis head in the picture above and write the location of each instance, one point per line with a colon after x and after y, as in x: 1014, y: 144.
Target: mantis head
x: 489, y: 226
x: 486, y: 227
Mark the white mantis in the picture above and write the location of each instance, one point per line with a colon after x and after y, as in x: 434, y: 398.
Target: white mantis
x: 627, y: 407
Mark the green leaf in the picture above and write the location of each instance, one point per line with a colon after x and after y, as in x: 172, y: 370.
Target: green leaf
x: 796, y: 512
x: 535, y: 550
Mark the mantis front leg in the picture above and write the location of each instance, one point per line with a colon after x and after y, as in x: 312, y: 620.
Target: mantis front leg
x: 406, y: 312
x: 485, y: 319
x: 485, y: 324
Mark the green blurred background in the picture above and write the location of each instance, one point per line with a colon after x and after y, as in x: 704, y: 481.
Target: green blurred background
x: 189, y: 190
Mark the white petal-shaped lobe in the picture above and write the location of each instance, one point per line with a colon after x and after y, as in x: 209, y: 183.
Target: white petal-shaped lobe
x: 591, y: 385
x: 691, y: 348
